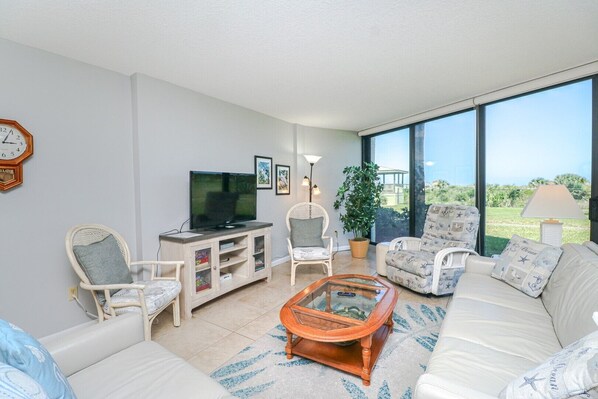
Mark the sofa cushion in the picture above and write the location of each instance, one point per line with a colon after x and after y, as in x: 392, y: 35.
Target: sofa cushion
x: 571, y: 371
x: 21, y: 351
x: 103, y: 263
x: 526, y: 265
x: 571, y: 295
x: 145, y: 370
x: 306, y: 232
x: 15, y: 384
x: 491, y: 334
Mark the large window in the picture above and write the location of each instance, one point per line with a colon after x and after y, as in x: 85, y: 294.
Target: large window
x: 445, y: 163
x: 539, y: 138
x: 531, y: 140
x: 391, y: 152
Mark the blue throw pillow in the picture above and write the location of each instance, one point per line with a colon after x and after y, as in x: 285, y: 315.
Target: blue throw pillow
x: 23, y: 352
x: 15, y: 384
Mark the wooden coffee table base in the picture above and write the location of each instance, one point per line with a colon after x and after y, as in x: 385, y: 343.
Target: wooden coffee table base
x: 358, y: 358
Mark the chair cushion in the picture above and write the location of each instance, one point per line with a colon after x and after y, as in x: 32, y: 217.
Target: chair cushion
x: 412, y: 281
x: 526, y: 265
x: 23, y: 352
x: 157, y: 294
x: 306, y: 232
x: 103, y: 263
x: 571, y: 371
x: 311, y: 253
x: 450, y: 226
x: 15, y: 384
x: 415, y: 262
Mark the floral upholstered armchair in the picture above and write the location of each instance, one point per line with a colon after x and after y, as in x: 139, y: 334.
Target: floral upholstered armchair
x: 434, y: 262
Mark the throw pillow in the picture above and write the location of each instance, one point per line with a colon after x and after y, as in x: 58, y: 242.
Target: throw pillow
x: 103, y: 263
x: 15, y: 384
x: 23, y: 352
x: 306, y: 232
x: 571, y: 371
x: 526, y: 265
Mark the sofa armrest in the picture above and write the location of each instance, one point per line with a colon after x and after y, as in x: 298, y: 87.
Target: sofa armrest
x: 431, y: 386
x: 81, y: 346
x: 479, y: 265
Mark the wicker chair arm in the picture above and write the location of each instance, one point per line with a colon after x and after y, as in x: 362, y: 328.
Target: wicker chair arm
x: 330, y: 242
x: 177, y: 268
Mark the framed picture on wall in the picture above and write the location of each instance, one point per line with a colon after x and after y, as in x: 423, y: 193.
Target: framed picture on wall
x: 283, y: 180
x: 263, y: 171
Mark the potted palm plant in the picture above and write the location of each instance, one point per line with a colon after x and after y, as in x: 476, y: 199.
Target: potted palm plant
x: 360, y: 196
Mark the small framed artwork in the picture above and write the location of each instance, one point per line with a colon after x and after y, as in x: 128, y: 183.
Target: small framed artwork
x: 283, y: 180
x: 263, y: 171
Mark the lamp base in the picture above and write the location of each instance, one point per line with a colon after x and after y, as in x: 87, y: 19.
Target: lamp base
x: 551, y: 233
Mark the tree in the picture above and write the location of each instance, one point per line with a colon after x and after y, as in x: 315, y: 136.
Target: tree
x: 576, y: 185
x: 538, y: 181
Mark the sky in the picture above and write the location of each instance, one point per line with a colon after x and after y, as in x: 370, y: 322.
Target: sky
x: 538, y: 135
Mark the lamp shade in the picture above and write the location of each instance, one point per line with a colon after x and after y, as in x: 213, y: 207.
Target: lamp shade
x: 312, y: 158
x: 552, y: 201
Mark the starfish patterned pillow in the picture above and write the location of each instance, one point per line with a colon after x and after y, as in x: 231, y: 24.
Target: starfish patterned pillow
x: 526, y: 265
x: 571, y: 372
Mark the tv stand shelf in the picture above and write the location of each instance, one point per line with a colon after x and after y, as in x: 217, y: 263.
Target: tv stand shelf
x: 219, y: 260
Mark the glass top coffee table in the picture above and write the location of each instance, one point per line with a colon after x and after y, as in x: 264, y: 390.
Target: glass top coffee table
x: 341, y: 321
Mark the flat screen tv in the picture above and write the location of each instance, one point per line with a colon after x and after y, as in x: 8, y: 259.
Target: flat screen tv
x: 221, y: 200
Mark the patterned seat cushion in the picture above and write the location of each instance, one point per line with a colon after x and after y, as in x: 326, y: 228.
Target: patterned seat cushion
x: 419, y: 263
x: 310, y: 253
x: 449, y: 226
x: 409, y: 280
x: 157, y: 294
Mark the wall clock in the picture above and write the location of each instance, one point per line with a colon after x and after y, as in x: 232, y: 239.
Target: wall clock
x: 16, y: 145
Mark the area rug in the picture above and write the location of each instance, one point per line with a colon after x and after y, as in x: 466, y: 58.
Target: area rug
x: 263, y: 371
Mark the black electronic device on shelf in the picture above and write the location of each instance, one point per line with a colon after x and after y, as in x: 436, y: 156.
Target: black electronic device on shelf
x: 221, y: 200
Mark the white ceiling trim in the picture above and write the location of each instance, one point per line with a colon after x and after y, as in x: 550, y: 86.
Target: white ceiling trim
x: 553, y: 79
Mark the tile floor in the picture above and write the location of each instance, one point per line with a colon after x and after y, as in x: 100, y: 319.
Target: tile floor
x: 219, y: 329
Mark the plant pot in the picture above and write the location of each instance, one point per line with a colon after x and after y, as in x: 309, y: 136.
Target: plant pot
x: 359, y: 247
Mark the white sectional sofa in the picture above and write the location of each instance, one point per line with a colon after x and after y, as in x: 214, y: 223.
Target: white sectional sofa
x: 493, y: 333
x: 112, y: 360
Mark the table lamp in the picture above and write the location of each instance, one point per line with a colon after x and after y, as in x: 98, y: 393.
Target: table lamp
x: 552, y: 202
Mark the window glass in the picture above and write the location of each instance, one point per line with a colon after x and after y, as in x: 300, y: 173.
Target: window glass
x: 445, y: 163
x: 531, y: 140
x: 390, y: 152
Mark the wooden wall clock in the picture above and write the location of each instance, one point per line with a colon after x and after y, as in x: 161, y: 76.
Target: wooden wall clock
x: 16, y: 145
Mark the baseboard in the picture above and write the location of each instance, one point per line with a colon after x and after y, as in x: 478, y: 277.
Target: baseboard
x: 287, y: 258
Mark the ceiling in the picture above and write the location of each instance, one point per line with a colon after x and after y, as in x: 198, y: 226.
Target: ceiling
x: 341, y: 64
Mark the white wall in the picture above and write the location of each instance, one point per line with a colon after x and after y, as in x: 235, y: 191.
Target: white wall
x: 180, y: 130
x: 117, y: 150
x: 81, y: 172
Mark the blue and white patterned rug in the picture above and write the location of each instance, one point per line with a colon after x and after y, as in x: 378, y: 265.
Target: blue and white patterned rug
x: 263, y: 371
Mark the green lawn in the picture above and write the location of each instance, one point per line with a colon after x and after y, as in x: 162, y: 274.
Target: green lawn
x: 502, y: 223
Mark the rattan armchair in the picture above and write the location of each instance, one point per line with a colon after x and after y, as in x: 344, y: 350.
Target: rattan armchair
x: 148, y: 297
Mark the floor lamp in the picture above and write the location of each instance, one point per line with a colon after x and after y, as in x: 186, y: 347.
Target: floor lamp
x: 552, y: 202
x: 307, y: 181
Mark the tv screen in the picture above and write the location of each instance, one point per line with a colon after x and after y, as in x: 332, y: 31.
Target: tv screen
x: 221, y: 199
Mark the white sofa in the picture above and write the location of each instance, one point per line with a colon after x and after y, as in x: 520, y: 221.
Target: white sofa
x: 493, y: 333
x: 112, y: 360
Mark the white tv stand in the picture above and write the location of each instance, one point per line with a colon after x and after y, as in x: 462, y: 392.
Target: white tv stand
x: 219, y: 261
